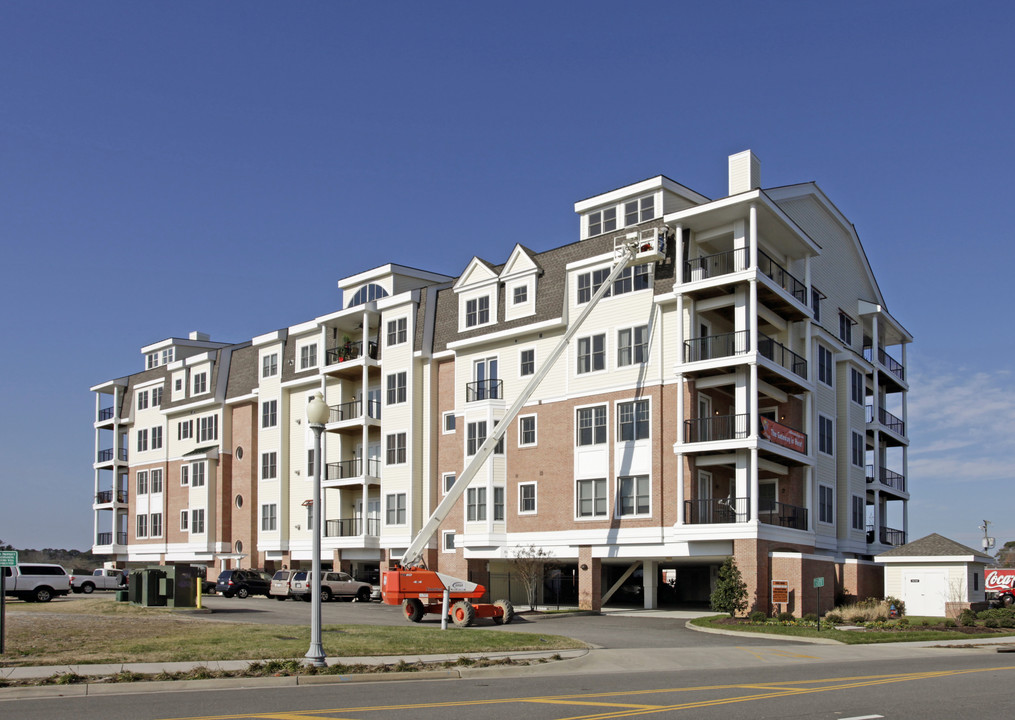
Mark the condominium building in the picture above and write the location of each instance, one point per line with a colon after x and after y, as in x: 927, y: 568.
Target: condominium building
x: 744, y: 396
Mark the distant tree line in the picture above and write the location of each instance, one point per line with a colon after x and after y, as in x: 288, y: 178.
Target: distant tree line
x: 70, y: 559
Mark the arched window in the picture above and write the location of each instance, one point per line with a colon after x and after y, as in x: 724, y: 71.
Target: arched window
x: 366, y: 294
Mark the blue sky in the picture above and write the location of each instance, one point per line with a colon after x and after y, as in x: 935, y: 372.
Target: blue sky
x: 168, y: 167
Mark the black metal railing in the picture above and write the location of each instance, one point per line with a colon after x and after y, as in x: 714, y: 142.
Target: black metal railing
x: 887, y: 536
x: 784, y: 435
x: 779, y: 353
x: 104, y: 497
x: 108, y: 454
x: 106, y: 538
x: 888, y: 478
x: 716, y: 265
x: 353, y: 410
x: 885, y: 418
x: 484, y: 390
x: 772, y: 512
x: 719, y: 427
x: 891, y: 364
x: 350, y: 351
x: 711, y: 347
x: 716, y: 510
x: 352, y: 469
x: 351, y: 527
x: 782, y: 277
x: 105, y: 413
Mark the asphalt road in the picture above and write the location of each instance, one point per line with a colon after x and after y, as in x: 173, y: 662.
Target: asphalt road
x: 612, y: 630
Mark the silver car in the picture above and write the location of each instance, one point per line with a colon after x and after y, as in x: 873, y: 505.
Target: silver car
x: 335, y: 585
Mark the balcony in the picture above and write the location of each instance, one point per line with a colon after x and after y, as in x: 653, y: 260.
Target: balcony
x: 106, y: 414
x: 484, y: 390
x: 353, y: 410
x: 717, y: 265
x: 350, y: 469
x: 888, y: 478
x: 712, y: 347
x: 887, y: 361
x: 781, y: 277
x: 783, y: 435
x: 351, y: 527
x: 350, y: 351
x: 712, y: 511
x: 886, y: 419
x: 781, y: 355
x: 772, y: 512
x: 887, y: 536
x: 108, y: 455
x: 106, y: 538
x: 105, y: 497
x: 713, y: 429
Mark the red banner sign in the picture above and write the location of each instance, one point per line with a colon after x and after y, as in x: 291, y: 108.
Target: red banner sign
x: 782, y: 435
x: 999, y: 579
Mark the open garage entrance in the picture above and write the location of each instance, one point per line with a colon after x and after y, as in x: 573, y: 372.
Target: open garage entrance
x: 676, y: 585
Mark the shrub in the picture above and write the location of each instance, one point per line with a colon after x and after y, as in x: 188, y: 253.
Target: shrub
x: 757, y: 617
x: 858, y: 619
x: 925, y: 623
x: 967, y: 618
x: 810, y: 617
x: 730, y: 594
x: 833, y: 618
x: 999, y: 613
x: 1006, y: 622
x: 903, y: 622
x: 991, y: 623
x: 949, y: 622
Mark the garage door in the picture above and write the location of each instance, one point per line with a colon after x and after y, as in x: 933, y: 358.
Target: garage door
x: 925, y: 592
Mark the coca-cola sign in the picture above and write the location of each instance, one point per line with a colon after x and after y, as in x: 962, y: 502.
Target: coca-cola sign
x: 999, y: 579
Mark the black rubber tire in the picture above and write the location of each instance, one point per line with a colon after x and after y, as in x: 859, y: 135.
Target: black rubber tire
x: 463, y: 614
x: 242, y: 593
x: 280, y: 597
x: 363, y: 595
x: 509, y: 612
x: 306, y: 597
x: 325, y: 595
x: 1007, y: 600
x: 227, y: 594
x: 88, y: 588
x: 413, y: 610
x: 42, y: 594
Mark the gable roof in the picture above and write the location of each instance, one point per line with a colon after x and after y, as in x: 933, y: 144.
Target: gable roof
x: 933, y: 545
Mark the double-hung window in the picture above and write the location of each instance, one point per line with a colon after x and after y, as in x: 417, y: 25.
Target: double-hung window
x: 826, y: 435
x: 395, y: 449
x: 156, y: 438
x: 591, y: 354
x: 142, y: 400
x: 156, y: 525
x: 632, y: 345
x: 826, y: 503
x: 197, y: 521
x: 200, y: 383
x: 395, y: 509
x: 208, y: 428
x: 269, y: 365
x: 859, y: 450
x: 269, y: 465
x: 498, y: 504
x: 856, y: 386
x: 634, y: 495
x: 633, y: 420
x: 156, y: 481
x: 269, y: 517
x: 591, y: 498
x: 396, y: 388
x: 640, y: 210
x: 142, y: 482
x: 475, y: 505
x: 859, y: 519
x: 156, y: 397
x: 197, y: 474
x: 308, y: 356
x: 824, y: 365
x: 184, y: 429
x: 475, y: 436
x: 397, y: 331
x: 526, y: 498
x: 632, y: 279
x: 589, y: 282
x: 520, y: 294
x: 592, y: 425
x: 269, y: 413
x: 527, y: 363
x: 527, y: 430
x: 845, y: 328
x: 142, y: 526
x: 142, y: 440
x: 602, y: 221
x: 477, y: 311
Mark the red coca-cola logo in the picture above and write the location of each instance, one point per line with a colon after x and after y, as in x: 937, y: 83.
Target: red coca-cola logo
x: 999, y: 580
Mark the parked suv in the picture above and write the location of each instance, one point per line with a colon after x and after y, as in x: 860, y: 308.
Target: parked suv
x: 335, y: 585
x: 280, y: 584
x: 36, y: 582
x: 242, y: 583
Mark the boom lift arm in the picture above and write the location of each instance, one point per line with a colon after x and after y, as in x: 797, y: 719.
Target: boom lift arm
x: 411, y: 586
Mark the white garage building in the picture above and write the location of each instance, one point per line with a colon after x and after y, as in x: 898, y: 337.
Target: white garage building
x: 934, y: 575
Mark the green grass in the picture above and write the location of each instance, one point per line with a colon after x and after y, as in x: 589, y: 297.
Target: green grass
x: 853, y: 637
x: 100, y: 631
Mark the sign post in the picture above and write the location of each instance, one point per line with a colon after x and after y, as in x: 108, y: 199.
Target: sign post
x: 780, y: 593
x: 8, y: 558
x: 818, y: 584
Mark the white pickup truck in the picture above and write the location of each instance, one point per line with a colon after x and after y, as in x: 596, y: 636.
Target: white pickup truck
x: 35, y: 582
x: 100, y: 579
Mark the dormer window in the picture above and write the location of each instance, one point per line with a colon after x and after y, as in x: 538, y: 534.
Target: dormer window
x: 367, y: 293
x: 521, y: 294
x: 640, y: 210
x: 602, y: 221
x: 477, y: 311
x: 200, y: 383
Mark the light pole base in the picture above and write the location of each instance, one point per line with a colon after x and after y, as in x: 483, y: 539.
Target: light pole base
x: 315, y: 656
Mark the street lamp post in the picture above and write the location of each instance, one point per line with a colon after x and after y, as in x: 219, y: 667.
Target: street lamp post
x: 317, y: 415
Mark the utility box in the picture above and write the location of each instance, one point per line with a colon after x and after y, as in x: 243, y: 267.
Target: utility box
x: 164, y: 586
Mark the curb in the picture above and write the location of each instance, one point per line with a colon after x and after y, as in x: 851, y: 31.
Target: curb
x: 791, y: 638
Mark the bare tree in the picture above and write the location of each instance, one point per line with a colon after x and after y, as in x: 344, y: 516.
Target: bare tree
x: 528, y: 564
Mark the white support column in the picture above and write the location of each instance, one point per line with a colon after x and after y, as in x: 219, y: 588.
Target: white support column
x: 754, y: 485
x: 809, y: 495
x: 877, y: 514
x: 678, y: 258
x: 753, y: 236
x: 649, y: 577
x: 678, y: 448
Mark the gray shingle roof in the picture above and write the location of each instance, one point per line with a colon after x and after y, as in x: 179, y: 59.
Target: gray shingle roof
x: 933, y: 545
